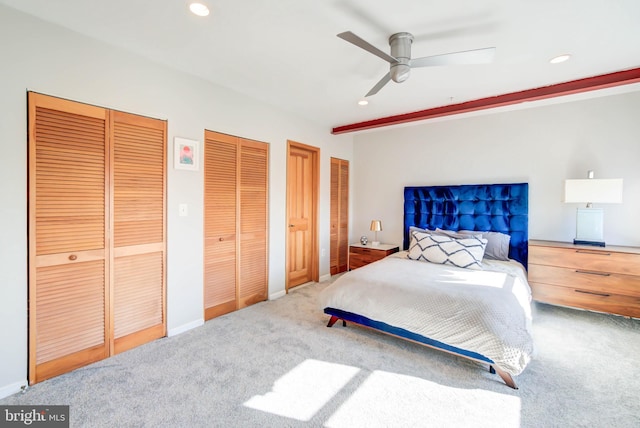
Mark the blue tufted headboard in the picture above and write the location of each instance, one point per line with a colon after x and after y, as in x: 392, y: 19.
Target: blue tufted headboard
x: 483, y: 207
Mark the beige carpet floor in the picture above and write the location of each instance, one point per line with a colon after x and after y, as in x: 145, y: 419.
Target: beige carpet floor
x: 275, y: 364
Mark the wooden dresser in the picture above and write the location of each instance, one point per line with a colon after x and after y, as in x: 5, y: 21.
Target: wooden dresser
x: 603, y: 279
x: 360, y: 255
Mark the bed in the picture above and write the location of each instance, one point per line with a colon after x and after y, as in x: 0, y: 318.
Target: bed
x: 460, y: 284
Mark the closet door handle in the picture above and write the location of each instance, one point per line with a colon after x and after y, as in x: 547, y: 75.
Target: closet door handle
x: 597, y: 253
x: 593, y: 273
x: 291, y: 225
x: 592, y: 292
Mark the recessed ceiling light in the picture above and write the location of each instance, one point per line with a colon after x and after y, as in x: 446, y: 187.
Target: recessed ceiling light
x: 363, y: 102
x: 199, y: 9
x: 560, y: 58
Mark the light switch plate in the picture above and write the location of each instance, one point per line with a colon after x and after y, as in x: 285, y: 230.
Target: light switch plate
x: 183, y: 210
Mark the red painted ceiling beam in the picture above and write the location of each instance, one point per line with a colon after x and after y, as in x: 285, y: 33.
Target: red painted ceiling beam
x: 566, y: 88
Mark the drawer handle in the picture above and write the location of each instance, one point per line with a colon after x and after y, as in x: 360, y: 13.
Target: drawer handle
x: 597, y: 253
x: 593, y: 273
x: 73, y: 257
x: 592, y: 292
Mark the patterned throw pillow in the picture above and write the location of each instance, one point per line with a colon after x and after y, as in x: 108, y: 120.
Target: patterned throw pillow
x: 464, y: 253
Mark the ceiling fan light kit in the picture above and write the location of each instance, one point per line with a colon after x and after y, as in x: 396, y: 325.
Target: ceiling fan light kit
x: 401, y: 63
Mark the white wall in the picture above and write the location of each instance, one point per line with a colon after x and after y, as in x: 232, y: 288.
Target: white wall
x: 45, y: 58
x: 542, y: 146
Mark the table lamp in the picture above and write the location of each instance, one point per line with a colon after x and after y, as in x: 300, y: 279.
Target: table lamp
x: 589, y: 220
x: 376, y: 226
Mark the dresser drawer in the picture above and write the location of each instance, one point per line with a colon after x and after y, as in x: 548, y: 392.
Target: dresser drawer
x: 367, y: 254
x: 356, y: 261
x: 360, y: 256
x: 586, y: 280
x: 580, y: 258
x: 601, y: 302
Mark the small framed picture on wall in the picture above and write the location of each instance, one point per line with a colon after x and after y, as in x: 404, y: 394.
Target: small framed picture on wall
x: 185, y: 154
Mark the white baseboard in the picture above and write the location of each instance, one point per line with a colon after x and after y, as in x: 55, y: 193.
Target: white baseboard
x: 277, y: 295
x: 185, y: 327
x: 281, y: 293
x: 11, y: 389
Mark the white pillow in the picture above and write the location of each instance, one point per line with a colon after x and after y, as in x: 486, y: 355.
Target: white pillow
x: 497, y: 243
x: 457, y: 234
x: 418, y: 229
x: 464, y: 253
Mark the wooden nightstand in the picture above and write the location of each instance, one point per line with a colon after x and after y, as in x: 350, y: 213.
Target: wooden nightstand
x: 360, y: 255
x: 603, y: 279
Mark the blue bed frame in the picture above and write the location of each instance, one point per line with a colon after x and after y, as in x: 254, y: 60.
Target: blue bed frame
x: 481, y: 207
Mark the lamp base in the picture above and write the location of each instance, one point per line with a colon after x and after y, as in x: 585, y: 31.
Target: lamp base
x: 592, y: 243
x: 375, y: 243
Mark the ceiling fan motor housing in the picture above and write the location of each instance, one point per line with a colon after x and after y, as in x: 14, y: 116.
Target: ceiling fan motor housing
x: 401, y: 62
x: 401, y: 50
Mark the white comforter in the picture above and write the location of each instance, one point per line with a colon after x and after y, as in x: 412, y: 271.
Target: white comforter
x: 485, y: 311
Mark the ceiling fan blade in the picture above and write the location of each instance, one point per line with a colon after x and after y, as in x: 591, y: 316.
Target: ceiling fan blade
x: 379, y: 85
x: 476, y: 56
x: 352, y: 38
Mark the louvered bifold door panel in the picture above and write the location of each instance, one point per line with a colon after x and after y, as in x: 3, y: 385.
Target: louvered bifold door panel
x: 138, y: 152
x: 334, y: 234
x: 254, y: 162
x: 220, y: 222
x: 343, y: 241
x: 68, y: 272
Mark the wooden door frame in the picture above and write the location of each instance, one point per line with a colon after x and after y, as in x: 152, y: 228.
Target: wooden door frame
x: 314, y: 152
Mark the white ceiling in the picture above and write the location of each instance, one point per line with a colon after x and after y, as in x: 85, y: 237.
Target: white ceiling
x: 286, y: 53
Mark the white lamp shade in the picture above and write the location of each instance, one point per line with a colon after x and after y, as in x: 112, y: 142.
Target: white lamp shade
x: 600, y: 191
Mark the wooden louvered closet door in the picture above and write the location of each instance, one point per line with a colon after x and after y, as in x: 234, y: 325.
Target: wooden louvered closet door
x: 254, y: 158
x: 68, y: 257
x: 220, y: 222
x: 235, y: 223
x: 339, y: 234
x: 138, y: 229
x: 82, y: 188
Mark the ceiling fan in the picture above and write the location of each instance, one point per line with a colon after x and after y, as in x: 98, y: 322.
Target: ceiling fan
x: 401, y: 62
